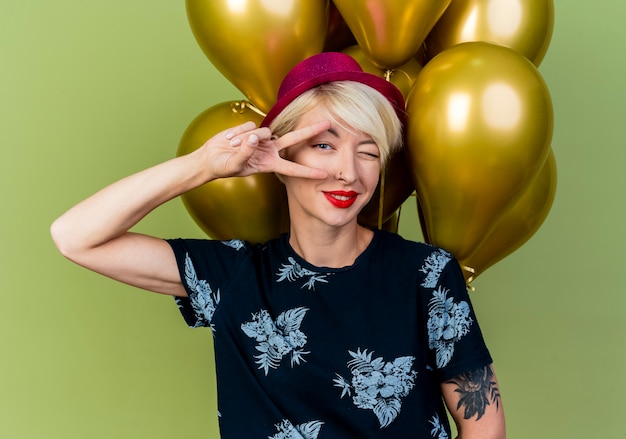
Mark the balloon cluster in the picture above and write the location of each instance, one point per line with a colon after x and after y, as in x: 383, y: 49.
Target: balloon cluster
x: 478, y: 137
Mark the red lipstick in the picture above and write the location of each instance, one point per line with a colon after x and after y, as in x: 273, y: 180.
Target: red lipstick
x: 341, y: 199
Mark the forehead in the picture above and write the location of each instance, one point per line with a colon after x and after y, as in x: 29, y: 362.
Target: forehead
x: 321, y: 112
x: 316, y: 114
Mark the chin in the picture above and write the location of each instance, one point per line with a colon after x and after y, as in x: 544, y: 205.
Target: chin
x: 342, y: 221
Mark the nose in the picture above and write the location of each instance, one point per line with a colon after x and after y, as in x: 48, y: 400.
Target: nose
x: 346, y: 167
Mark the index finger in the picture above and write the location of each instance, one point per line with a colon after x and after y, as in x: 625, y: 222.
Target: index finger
x: 296, y: 136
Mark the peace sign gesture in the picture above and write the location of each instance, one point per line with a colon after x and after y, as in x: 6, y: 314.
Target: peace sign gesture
x: 245, y: 149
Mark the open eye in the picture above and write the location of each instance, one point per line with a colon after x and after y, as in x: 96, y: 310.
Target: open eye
x: 322, y: 146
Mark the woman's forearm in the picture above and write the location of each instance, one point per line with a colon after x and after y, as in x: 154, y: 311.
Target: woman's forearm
x: 240, y: 151
x: 118, y: 207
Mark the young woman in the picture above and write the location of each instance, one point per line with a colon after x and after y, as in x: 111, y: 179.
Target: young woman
x: 332, y: 330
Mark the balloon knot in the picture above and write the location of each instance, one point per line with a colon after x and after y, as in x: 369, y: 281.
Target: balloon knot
x: 239, y: 107
x: 471, y: 276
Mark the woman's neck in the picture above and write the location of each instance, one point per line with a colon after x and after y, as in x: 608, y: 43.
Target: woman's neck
x: 330, y: 247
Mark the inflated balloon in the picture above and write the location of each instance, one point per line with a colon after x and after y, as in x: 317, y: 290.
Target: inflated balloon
x: 524, y: 25
x: 396, y: 184
x: 396, y: 181
x: 519, y: 223
x: 254, y: 43
x: 479, y: 130
x: 390, y: 32
x: 402, y: 76
x: 252, y: 208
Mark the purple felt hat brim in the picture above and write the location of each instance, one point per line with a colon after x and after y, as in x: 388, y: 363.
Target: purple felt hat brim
x: 328, y: 67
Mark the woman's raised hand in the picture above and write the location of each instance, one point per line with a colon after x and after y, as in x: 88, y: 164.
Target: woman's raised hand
x: 245, y: 149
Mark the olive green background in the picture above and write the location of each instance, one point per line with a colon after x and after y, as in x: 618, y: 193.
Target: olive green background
x: 91, y: 91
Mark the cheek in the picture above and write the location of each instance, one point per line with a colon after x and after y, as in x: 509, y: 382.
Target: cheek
x: 370, y: 175
x: 310, y: 158
x: 297, y: 154
x: 300, y: 190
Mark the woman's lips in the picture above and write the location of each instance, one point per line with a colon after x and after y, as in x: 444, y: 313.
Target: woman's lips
x: 341, y: 199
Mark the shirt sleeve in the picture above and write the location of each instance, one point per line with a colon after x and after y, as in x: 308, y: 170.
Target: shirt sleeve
x: 454, y: 336
x: 206, y: 267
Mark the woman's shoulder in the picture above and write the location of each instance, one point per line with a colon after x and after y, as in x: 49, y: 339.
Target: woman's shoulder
x: 202, y: 245
x: 398, y: 242
x: 207, y: 253
x: 394, y: 249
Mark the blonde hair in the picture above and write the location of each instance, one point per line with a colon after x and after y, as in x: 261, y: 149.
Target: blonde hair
x: 353, y: 106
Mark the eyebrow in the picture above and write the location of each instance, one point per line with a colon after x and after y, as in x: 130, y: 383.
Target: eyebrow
x: 368, y: 141
x: 332, y: 131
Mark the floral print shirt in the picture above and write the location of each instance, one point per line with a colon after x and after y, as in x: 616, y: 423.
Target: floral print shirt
x: 309, y: 352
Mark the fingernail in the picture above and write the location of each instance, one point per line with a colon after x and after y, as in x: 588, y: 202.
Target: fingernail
x: 235, y: 142
x: 254, y: 139
x: 230, y: 135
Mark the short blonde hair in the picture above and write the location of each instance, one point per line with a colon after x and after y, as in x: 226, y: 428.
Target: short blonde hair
x: 352, y: 105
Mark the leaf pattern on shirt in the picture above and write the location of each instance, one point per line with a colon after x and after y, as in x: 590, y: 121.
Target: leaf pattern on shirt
x: 236, y: 244
x: 292, y: 271
x: 433, y: 266
x: 438, y: 431
x: 378, y: 385
x: 308, y: 430
x: 448, y: 322
x: 203, y: 300
x: 277, y: 339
